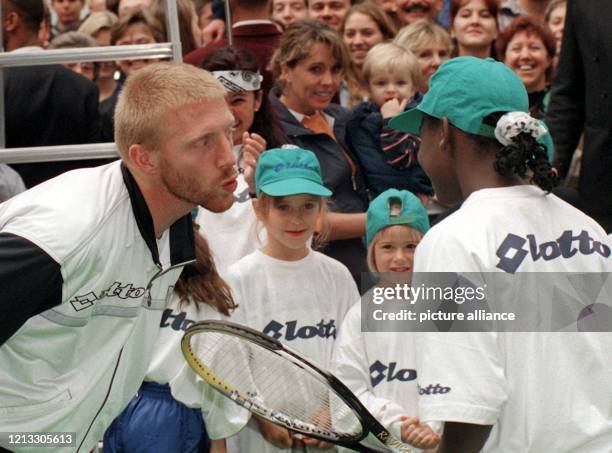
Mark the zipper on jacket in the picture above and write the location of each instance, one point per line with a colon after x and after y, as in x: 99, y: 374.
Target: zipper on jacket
x: 161, y: 271
x: 110, y: 386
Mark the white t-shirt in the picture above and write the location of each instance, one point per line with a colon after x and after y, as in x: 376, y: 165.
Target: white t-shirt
x: 168, y: 366
x: 543, y: 392
x: 379, y: 368
x: 301, y: 303
x: 232, y: 234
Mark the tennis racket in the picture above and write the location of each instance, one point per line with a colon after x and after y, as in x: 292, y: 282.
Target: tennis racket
x: 271, y: 380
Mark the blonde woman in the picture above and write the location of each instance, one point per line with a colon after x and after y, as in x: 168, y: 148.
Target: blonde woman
x: 430, y: 43
x: 365, y: 25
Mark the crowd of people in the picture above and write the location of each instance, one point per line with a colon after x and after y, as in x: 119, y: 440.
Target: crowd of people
x: 277, y: 182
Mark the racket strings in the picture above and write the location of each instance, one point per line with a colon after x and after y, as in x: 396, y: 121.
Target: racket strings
x: 275, y: 386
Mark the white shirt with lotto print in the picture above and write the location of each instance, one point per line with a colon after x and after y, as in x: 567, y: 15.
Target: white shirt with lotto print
x: 222, y: 416
x: 234, y: 233
x: 543, y: 392
x: 379, y: 368
x: 300, y: 303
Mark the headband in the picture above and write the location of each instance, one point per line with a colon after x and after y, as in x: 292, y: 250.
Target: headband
x: 238, y: 81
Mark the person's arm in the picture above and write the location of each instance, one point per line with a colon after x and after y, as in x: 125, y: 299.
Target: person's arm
x: 345, y: 226
x: 216, y: 28
x: 565, y: 116
x: 463, y: 438
x: 397, y: 147
x: 350, y: 365
x: 30, y: 283
x: 217, y: 446
x: 11, y: 183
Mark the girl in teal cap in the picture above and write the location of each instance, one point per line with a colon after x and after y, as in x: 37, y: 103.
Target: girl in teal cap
x: 285, y: 289
x: 380, y: 366
x: 506, y: 391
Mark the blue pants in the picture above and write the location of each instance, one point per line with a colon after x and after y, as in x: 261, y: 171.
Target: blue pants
x: 154, y: 422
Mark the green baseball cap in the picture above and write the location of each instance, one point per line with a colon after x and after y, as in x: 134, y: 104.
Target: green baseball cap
x: 412, y: 212
x: 466, y: 90
x: 289, y: 171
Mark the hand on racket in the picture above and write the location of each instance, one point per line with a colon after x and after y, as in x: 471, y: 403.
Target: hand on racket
x: 418, y: 434
x: 278, y: 436
x: 280, y: 385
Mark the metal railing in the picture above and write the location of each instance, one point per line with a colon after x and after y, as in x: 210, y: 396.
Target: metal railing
x: 168, y: 50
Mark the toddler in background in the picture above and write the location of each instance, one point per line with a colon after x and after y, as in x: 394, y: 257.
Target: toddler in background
x: 388, y: 157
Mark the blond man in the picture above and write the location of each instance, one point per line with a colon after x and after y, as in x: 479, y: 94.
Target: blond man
x: 88, y: 259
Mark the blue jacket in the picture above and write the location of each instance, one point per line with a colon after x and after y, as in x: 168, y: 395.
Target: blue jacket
x: 395, y: 168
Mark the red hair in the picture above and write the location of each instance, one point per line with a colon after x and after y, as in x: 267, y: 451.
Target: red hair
x: 529, y: 25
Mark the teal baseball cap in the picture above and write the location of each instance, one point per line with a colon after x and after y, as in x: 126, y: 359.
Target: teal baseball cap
x: 466, y: 90
x: 289, y: 171
x: 411, y: 212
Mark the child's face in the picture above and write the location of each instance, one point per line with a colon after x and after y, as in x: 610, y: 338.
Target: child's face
x: 137, y: 33
x: 243, y: 105
x: 387, y: 85
x: 290, y: 222
x: 68, y: 11
x: 394, y: 249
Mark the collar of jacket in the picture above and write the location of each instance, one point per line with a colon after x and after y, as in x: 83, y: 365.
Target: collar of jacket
x: 182, y: 246
x: 292, y: 127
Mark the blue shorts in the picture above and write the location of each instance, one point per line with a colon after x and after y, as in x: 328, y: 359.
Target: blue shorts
x: 154, y: 422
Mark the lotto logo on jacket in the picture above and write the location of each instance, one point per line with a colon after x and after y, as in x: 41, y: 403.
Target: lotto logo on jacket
x: 291, y: 330
x: 380, y: 372
x: 512, y: 251
x: 433, y: 390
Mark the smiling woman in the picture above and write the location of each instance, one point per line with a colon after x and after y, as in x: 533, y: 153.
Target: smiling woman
x: 365, y: 25
x: 527, y: 47
x: 429, y: 42
x: 138, y: 26
x: 474, y: 27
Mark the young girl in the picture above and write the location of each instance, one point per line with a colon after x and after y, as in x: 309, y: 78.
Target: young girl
x: 166, y: 415
x: 508, y: 390
x: 231, y: 234
x: 388, y: 157
x: 379, y: 367
x: 286, y: 289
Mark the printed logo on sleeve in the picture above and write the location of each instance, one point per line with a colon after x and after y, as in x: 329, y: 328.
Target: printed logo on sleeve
x: 432, y: 389
x: 176, y: 321
x: 380, y: 372
x: 512, y: 251
x: 290, y: 330
x: 117, y: 289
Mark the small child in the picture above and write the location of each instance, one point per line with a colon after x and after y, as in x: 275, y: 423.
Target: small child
x: 285, y: 289
x: 68, y: 14
x: 388, y: 158
x: 380, y: 367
